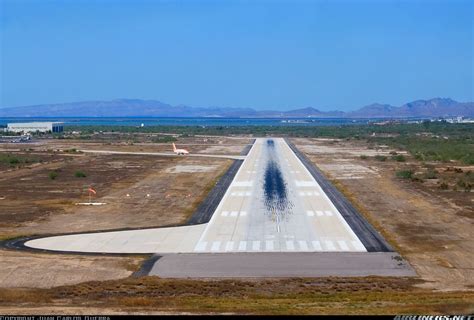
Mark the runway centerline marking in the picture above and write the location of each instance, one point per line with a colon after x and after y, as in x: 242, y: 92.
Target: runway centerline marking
x: 272, y: 197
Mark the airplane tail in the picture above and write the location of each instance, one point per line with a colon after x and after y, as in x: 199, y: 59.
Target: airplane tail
x: 174, y: 148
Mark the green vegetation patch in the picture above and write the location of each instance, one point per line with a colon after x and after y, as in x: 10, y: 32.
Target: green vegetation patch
x: 80, y: 174
x: 17, y: 160
x: 163, y: 139
x: 404, y: 174
x: 399, y: 158
x: 427, y: 141
x: 53, y: 175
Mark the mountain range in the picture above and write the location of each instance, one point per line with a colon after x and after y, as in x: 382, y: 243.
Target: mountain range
x: 436, y: 107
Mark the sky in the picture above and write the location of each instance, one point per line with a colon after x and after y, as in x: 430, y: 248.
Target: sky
x: 261, y: 54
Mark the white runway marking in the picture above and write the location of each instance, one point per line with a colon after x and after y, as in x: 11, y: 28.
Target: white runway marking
x: 269, y: 245
x: 256, y: 245
x: 316, y: 245
x: 241, y: 194
x: 201, y: 246
x: 300, y: 183
x: 243, y: 220
x: 242, y: 184
x: 303, y: 245
x: 343, y: 245
x: 229, y: 246
x: 290, y: 246
x: 216, y: 246
x: 329, y: 245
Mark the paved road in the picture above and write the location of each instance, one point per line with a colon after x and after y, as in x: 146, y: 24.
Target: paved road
x: 278, y: 264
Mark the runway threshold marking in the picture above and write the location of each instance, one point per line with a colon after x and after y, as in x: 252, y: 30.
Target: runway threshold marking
x: 200, y: 246
x: 317, y: 245
x: 343, y: 245
x: 229, y: 246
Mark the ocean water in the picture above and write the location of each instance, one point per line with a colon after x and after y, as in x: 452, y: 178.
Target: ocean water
x: 131, y: 121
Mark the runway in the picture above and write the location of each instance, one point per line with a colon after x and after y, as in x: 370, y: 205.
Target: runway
x: 273, y: 204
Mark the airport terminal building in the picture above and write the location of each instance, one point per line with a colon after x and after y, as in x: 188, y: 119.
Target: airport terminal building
x: 35, y: 126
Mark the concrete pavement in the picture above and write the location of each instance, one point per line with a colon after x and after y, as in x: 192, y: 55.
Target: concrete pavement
x: 272, y: 205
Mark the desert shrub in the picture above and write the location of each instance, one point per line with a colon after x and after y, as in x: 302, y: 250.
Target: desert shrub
x: 399, y: 158
x: 163, y: 139
x: 404, y: 174
x: 443, y: 186
x: 463, y: 183
x: 14, y: 161
x: 53, y: 175
x: 417, y: 178
x: 431, y: 174
x: 363, y: 157
x: 79, y: 174
x: 380, y: 157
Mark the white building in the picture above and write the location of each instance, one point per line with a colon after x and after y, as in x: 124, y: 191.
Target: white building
x: 35, y: 126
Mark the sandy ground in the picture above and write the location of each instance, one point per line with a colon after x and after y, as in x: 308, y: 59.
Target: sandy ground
x: 21, y: 269
x: 139, y: 191
x: 144, y: 143
x: 431, y: 231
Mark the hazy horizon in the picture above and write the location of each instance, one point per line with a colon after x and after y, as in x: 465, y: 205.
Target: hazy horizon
x: 261, y: 109
x: 265, y: 55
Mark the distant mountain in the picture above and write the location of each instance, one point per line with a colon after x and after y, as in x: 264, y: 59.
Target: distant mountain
x: 437, y: 107
x: 375, y: 110
x: 312, y: 112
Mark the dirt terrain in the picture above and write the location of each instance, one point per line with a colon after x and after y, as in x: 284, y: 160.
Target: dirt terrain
x: 431, y: 227
x: 139, y: 191
x: 141, y: 143
x: 151, y: 295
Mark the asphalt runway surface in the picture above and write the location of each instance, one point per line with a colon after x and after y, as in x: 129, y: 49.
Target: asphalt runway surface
x: 273, y: 214
x: 370, y: 238
x: 278, y: 264
x: 274, y: 204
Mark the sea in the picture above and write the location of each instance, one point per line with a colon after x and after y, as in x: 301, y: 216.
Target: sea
x: 203, y: 122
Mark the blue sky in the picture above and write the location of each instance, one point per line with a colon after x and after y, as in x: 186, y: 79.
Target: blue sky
x: 261, y: 54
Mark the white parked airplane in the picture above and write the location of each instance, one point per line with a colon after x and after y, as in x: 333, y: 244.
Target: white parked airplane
x: 180, y: 151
